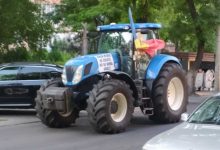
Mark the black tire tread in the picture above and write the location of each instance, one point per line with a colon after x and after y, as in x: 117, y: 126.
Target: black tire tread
x: 161, y: 112
x: 52, y: 118
x: 97, y: 105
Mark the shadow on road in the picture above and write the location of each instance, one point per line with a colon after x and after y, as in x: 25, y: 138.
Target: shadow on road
x: 28, y: 112
x: 142, y: 120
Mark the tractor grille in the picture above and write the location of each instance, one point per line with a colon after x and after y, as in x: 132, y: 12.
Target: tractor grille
x: 70, y: 70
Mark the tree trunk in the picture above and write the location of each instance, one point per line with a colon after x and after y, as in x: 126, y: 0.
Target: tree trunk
x: 191, y: 76
x: 84, y: 40
x: 217, y: 61
x: 199, y: 55
x: 177, y: 50
x: 201, y: 42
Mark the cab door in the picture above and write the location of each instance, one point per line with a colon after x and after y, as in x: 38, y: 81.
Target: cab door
x: 8, y: 86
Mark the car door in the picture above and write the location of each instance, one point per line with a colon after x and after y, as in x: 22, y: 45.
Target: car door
x: 8, y: 85
x: 30, y: 79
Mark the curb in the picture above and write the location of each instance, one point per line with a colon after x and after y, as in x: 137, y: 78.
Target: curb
x: 205, y: 93
x: 200, y: 96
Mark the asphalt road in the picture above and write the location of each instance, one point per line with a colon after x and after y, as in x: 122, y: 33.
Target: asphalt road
x: 21, y: 130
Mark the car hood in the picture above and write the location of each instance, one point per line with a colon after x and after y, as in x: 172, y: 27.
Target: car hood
x: 187, y: 136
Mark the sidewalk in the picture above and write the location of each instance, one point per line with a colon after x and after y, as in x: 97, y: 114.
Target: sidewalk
x: 205, y: 93
x: 200, y: 96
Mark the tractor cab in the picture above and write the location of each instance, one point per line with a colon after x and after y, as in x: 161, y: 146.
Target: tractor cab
x: 117, y: 38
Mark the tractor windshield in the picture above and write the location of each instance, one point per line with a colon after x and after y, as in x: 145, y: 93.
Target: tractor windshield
x: 120, y: 42
x: 115, y: 42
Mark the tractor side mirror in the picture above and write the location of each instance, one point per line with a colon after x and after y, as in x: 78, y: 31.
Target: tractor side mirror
x: 148, y: 34
x: 184, y: 117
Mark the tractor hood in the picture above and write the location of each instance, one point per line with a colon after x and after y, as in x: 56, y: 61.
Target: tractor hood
x: 82, y: 67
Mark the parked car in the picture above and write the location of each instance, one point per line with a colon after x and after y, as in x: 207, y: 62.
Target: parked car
x: 19, y: 82
x: 201, y: 131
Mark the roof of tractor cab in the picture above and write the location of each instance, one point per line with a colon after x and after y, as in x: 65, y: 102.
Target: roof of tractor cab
x: 125, y: 27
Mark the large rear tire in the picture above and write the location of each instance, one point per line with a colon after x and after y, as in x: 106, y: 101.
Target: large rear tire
x: 170, y: 96
x: 110, y: 106
x: 53, y: 118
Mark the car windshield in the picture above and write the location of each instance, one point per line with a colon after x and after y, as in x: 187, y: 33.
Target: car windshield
x: 208, y: 112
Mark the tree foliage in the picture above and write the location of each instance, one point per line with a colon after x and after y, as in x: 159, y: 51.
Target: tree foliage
x: 179, y: 26
x: 187, y: 23
x: 193, y: 26
x: 182, y: 29
x: 98, y: 12
x: 22, y: 21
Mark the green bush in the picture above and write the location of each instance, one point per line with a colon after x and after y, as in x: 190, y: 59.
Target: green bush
x: 22, y: 55
x: 38, y: 55
x: 15, y: 55
x: 55, y: 56
x: 65, y: 57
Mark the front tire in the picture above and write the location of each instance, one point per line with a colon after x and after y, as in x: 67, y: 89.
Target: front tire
x: 53, y: 118
x: 110, y: 106
x: 169, y: 94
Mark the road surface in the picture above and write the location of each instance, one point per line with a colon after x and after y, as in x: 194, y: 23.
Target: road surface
x: 21, y: 130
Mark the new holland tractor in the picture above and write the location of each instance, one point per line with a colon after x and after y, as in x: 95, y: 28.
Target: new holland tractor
x: 111, y: 83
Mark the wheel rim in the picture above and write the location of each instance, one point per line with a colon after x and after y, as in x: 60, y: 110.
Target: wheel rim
x: 65, y: 114
x: 118, y: 107
x: 175, y: 93
x: 69, y: 109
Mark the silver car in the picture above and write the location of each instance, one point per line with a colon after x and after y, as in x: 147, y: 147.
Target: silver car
x: 201, y: 131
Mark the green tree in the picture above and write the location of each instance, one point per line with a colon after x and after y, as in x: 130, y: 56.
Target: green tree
x: 73, y: 13
x: 91, y: 13
x: 186, y: 22
x: 21, y: 20
x: 193, y: 28
x: 190, y: 27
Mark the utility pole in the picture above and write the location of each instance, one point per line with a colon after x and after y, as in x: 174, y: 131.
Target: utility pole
x: 217, y: 61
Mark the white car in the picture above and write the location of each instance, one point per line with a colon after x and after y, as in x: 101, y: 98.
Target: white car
x: 201, y: 131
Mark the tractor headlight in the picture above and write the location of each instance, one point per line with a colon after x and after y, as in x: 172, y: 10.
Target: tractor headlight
x: 78, y: 74
x: 126, y: 27
x: 64, y: 76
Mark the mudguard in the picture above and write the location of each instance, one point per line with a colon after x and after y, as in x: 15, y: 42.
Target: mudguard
x: 157, y: 63
x: 124, y: 77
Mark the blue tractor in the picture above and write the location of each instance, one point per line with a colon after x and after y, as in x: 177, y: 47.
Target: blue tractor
x: 111, y: 83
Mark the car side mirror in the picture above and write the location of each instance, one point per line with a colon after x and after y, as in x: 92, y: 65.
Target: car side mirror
x: 184, y: 117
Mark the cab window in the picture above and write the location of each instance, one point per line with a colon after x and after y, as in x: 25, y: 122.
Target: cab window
x: 8, y: 73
